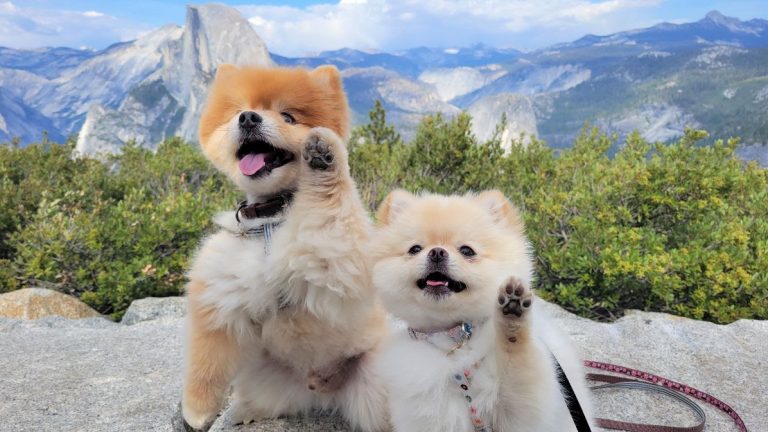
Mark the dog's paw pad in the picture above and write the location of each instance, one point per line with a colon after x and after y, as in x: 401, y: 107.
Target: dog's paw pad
x: 515, y: 298
x: 317, y: 153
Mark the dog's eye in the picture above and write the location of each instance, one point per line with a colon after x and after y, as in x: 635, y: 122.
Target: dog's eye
x: 288, y: 118
x: 414, y: 249
x: 467, y: 251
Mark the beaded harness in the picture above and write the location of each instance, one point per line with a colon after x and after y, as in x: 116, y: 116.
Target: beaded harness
x: 460, y: 335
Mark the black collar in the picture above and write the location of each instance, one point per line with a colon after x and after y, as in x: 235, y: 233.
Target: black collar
x: 265, y: 209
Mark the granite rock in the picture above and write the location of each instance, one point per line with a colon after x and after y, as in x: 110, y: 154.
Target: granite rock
x: 96, y: 375
x: 88, y: 375
x: 729, y: 362
x: 35, y: 303
x: 155, y: 308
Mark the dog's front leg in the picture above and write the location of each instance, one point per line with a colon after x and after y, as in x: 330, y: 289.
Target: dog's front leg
x: 522, y: 368
x: 211, y: 357
x: 330, y: 223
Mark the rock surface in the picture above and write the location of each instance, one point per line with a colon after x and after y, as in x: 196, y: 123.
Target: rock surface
x: 721, y: 360
x: 35, y: 303
x: 88, y: 375
x: 155, y: 308
x: 96, y: 375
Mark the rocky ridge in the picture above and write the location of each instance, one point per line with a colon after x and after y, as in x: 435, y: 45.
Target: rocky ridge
x: 658, y: 80
x: 518, y: 111
x: 167, y: 96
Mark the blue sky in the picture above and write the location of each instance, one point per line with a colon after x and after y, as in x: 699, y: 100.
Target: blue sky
x: 302, y: 27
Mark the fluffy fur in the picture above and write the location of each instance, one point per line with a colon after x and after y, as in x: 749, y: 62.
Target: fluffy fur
x: 273, y: 325
x: 514, y: 387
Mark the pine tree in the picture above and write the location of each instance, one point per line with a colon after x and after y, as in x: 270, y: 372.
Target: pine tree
x: 377, y: 131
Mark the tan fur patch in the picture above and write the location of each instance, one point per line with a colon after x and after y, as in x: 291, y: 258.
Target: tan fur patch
x: 314, y: 98
x: 212, y: 356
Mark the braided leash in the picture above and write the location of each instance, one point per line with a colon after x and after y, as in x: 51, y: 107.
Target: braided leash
x: 632, y: 384
x: 664, y: 382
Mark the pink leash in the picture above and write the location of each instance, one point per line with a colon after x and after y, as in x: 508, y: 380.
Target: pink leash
x: 676, y: 386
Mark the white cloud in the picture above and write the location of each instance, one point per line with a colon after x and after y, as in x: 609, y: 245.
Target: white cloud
x: 407, y: 16
x: 31, y: 27
x: 385, y: 25
x: 7, y: 6
x: 586, y: 11
x: 397, y: 24
x: 257, y: 21
x: 93, y: 14
x: 320, y: 27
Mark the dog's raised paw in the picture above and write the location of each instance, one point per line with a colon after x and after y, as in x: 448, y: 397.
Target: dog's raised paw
x: 317, y: 152
x: 515, y: 298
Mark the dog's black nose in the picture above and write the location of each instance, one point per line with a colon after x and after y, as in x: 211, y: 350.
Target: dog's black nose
x: 438, y: 254
x: 249, y: 119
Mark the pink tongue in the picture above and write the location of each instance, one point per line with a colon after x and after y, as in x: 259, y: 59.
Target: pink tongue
x: 252, y: 163
x: 437, y: 283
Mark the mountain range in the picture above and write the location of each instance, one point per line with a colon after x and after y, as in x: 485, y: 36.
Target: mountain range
x: 712, y: 74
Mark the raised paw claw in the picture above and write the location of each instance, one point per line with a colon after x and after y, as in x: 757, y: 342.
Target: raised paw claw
x: 515, y: 298
x: 318, y: 153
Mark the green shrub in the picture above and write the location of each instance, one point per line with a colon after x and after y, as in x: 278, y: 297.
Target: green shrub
x: 676, y: 228
x: 373, y: 150
x: 680, y: 228
x: 444, y: 157
x: 109, y: 232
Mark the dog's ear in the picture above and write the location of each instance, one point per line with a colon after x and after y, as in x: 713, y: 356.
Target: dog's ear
x: 328, y: 76
x: 225, y: 69
x: 329, y: 80
x: 503, y: 212
x: 394, y: 204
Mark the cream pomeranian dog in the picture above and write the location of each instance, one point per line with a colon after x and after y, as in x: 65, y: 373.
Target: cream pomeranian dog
x: 477, y: 354
x: 281, y: 307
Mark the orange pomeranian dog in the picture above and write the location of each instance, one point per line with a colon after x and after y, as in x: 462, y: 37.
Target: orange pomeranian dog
x: 281, y: 306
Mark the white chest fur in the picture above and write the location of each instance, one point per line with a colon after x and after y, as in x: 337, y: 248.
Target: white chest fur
x: 234, y: 267
x: 426, y: 393
x: 247, y: 285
